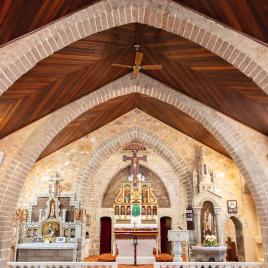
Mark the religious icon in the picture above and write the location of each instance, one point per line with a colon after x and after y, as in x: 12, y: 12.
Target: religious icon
x: 116, y: 210
x: 207, y: 222
x: 143, y: 210
x: 66, y: 233
x: 144, y: 194
x: 232, y: 206
x: 19, y: 213
x: 149, y: 210
x: 122, y: 210
x: 136, y: 210
x: 127, y: 194
x: 128, y: 210
x: 52, y: 210
x: 51, y: 229
x: 35, y: 232
x: 154, y: 210
x: 77, y: 214
x: 24, y: 214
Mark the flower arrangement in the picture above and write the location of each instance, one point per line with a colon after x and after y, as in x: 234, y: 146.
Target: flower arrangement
x: 210, y: 241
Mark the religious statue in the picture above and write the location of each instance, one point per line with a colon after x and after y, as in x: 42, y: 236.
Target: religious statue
x: 136, y: 210
x: 149, y: 212
x: 77, y: 214
x: 116, y: 210
x: 19, y: 214
x: 52, y: 210
x: 135, y: 167
x: 122, y: 210
x: 144, y: 194
x: 128, y: 210
x: 24, y: 214
x: 207, y: 222
x: 127, y: 195
x: 143, y: 210
x: 154, y: 210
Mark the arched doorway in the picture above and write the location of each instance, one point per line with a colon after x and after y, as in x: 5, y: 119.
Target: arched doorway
x: 165, y: 225
x: 105, y: 235
x: 233, y: 230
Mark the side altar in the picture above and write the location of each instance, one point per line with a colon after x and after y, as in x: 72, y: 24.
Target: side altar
x: 135, y: 216
x: 208, y: 212
x: 50, y: 229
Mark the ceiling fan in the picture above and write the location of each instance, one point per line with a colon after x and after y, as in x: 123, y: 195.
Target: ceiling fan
x: 137, y: 65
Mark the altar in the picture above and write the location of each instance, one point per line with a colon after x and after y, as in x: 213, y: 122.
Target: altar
x: 146, y: 243
x: 50, y: 228
x: 135, y: 216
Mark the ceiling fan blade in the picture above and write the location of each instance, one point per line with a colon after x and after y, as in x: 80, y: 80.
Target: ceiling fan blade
x: 138, y: 58
x: 122, y: 65
x: 152, y: 67
x: 135, y: 74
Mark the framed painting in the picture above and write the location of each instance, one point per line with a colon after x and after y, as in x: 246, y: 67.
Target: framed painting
x: 232, y: 206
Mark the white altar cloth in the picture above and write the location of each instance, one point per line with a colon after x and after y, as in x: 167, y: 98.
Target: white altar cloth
x: 144, y: 251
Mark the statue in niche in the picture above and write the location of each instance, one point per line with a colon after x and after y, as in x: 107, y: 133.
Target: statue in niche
x: 207, y: 222
x: 149, y: 211
x: 78, y: 214
x: 154, y: 210
x: 24, y: 214
x: 116, y: 210
x: 143, y: 210
x: 122, y: 210
x: 127, y: 195
x: 144, y: 194
x: 128, y: 210
x: 52, y: 210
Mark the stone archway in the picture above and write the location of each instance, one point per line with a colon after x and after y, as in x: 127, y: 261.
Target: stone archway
x: 159, y: 188
x: 237, y: 236
x: 244, y: 53
x: 209, y: 118
x: 122, y: 139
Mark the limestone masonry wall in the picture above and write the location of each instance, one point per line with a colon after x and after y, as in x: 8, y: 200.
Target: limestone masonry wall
x: 71, y: 160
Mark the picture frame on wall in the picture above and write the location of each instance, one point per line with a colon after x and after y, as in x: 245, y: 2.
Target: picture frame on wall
x: 232, y: 206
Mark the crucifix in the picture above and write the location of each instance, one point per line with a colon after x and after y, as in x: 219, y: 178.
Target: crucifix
x: 135, y: 167
x: 54, y: 187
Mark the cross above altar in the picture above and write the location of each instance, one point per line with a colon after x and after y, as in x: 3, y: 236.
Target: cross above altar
x: 55, y: 187
x: 135, y: 166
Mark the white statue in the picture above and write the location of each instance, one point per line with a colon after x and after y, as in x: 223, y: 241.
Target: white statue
x: 207, y: 222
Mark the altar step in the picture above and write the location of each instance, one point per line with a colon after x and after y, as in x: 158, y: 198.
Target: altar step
x: 137, y: 266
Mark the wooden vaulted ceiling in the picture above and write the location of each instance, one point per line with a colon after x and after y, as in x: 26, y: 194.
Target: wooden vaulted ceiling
x: 85, y: 66
x: 20, y: 17
x: 246, y: 16
x: 109, y: 111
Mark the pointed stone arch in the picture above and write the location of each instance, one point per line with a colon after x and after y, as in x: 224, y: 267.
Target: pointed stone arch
x: 29, y: 151
x: 120, y: 140
x: 239, y: 50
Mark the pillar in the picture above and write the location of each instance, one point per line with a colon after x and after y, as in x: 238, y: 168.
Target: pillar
x: 218, y: 225
x: 197, y: 212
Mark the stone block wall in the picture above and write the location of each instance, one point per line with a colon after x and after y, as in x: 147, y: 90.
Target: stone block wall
x: 73, y: 159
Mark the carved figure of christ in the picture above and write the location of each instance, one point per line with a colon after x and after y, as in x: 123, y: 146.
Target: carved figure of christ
x: 135, y: 167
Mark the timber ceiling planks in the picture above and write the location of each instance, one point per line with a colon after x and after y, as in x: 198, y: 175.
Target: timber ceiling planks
x: 19, y: 17
x: 85, y: 66
x: 246, y: 16
x: 112, y: 109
